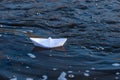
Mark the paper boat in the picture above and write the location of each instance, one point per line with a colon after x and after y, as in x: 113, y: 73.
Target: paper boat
x: 48, y: 42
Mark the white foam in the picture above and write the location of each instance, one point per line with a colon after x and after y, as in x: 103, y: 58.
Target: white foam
x: 117, y: 73
x: 31, y: 55
x: 71, y: 76
x: 29, y: 79
x: 86, y: 74
x: 15, y: 78
x: 70, y: 71
x: 27, y: 67
x: 116, y: 64
x: 1, y: 25
x: 0, y: 35
x: 92, y: 68
x: 87, y: 71
x: 44, y: 77
x: 117, y: 77
x: 62, y: 76
x: 54, y: 69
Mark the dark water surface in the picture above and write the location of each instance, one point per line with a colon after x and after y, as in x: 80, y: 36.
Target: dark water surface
x: 92, y: 51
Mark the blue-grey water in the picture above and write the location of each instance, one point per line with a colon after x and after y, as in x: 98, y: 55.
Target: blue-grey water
x: 92, y: 51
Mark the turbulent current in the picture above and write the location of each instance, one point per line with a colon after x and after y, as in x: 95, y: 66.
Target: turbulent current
x: 92, y: 51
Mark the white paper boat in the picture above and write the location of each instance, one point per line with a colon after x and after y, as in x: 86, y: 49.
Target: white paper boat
x: 48, y: 42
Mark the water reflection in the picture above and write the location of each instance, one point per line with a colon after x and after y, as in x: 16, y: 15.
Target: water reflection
x: 38, y: 49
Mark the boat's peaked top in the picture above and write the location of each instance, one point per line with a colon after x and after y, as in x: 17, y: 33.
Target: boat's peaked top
x: 48, y: 42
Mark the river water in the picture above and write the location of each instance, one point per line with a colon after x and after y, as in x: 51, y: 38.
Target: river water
x: 92, y: 51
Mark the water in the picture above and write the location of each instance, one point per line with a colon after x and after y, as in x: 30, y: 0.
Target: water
x: 91, y: 52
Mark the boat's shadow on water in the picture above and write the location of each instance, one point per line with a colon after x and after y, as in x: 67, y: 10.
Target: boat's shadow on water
x: 38, y: 49
x: 56, y: 52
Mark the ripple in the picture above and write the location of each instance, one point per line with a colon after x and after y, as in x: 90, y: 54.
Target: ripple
x: 92, y: 29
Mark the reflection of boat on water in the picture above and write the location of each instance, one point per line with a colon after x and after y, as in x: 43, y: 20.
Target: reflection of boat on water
x: 48, y: 42
x: 58, y: 52
x: 37, y: 49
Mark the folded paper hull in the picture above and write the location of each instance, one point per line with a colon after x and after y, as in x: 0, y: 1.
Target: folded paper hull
x: 49, y: 42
